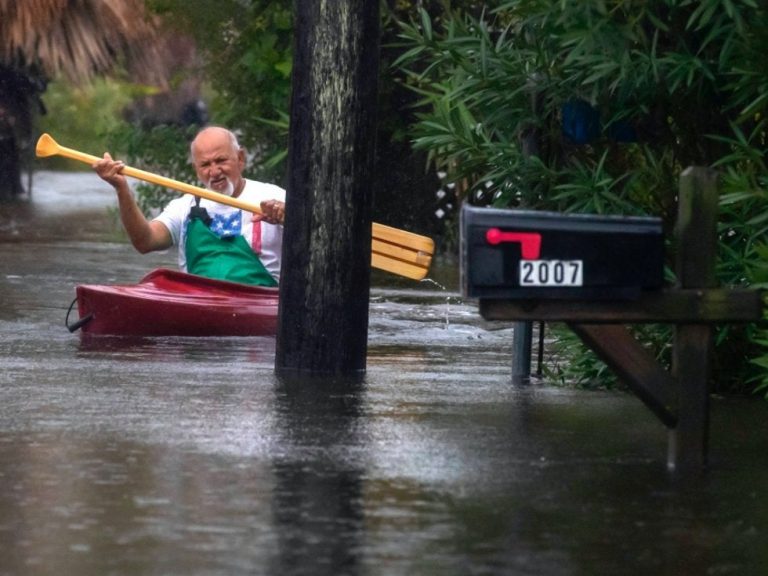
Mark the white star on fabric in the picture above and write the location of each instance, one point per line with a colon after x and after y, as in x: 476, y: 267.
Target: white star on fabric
x: 227, y: 225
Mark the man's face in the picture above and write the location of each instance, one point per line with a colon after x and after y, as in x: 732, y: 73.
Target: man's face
x: 218, y: 165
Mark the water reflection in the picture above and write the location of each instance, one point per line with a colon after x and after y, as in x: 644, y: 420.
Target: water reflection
x: 317, y: 501
x: 259, y: 350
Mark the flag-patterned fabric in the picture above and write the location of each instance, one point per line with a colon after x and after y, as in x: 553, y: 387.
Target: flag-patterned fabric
x: 227, y: 225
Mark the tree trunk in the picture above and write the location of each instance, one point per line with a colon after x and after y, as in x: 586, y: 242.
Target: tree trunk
x: 10, y: 168
x: 19, y: 100
x: 325, y: 281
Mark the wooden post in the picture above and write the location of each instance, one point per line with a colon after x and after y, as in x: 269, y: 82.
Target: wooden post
x: 323, y: 324
x: 696, y: 257
x: 523, y: 331
x: 521, y: 352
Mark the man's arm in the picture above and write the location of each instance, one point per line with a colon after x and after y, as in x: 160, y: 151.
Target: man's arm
x: 145, y: 236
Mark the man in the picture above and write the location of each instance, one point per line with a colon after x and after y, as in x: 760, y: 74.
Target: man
x: 213, y: 240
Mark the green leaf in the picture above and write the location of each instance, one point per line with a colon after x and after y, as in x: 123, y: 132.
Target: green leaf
x: 426, y: 25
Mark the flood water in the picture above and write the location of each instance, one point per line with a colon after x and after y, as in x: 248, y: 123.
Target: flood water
x: 181, y: 456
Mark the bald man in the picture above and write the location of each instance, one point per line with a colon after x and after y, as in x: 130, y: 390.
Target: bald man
x: 213, y: 240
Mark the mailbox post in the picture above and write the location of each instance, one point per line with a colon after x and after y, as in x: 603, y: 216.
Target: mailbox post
x: 598, y: 274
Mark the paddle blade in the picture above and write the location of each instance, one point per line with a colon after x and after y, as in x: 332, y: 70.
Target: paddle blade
x: 401, y: 252
x: 46, y: 146
x: 403, y: 238
x: 398, y: 259
x: 395, y: 266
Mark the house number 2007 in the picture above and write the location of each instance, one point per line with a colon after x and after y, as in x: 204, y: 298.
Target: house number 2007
x: 551, y: 273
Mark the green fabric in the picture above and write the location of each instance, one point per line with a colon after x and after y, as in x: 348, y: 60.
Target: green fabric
x: 223, y: 258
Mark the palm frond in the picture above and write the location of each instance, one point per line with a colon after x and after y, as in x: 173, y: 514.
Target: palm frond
x: 78, y: 38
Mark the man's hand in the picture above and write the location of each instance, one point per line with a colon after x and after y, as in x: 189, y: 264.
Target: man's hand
x: 109, y: 171
x: 273, y: 212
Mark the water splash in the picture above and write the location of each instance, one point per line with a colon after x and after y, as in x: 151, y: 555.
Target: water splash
x: 447, y: 300
x: 443, y: 288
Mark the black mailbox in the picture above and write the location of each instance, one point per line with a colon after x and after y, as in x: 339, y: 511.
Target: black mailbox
x: 527, y: 254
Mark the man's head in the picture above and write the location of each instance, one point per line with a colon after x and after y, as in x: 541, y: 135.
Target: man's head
x: 218, y: 160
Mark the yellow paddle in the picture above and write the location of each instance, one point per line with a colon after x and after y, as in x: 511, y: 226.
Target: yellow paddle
x: 394, y: 250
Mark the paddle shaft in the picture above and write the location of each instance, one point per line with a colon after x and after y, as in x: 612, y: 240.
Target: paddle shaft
x: 165, y: 182
x: 380, y: 231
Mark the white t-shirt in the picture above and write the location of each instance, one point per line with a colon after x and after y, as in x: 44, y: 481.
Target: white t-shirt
x: 265, y: 239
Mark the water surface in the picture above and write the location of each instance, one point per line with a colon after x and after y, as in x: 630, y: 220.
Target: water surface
x: 187, y: 456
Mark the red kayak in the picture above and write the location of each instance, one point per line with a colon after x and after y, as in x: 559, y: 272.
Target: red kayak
x: 171, y: 303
